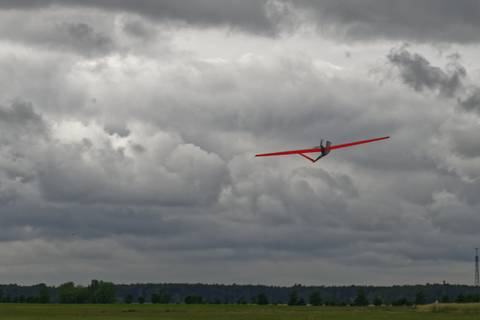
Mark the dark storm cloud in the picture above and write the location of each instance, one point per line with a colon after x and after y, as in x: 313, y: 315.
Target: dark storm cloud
x: 249, y: 15
x: 194, y: 194
x: 99, y: 221
x: 425, y: 20
x: 458, y: 139
x: 77, y: 31
x: 413, y: 20
x: 148, y: 162
x: 418, y: 73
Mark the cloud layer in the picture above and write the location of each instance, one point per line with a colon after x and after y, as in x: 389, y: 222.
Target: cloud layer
x: 128, y: 132
x: 424, y: 21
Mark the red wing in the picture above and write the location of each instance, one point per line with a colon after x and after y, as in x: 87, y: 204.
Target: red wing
x: 315, y: 150
x: 284, y: 153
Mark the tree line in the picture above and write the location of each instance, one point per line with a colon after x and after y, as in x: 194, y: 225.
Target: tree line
x: 107, y: 292
x: 96, y: 292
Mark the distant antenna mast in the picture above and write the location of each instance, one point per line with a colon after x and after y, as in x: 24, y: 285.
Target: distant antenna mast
x: 477, y: 278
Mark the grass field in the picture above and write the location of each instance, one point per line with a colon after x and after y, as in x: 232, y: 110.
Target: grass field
x: 217, y: 312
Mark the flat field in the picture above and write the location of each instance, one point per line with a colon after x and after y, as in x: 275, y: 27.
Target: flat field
x: 232, y: 312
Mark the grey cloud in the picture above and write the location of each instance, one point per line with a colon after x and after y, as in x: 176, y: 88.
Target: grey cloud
x: 165, y: 172
x: 472, y: 100
x: 20, y: 120
x: 465, y: 141
x: 137, y: 147
x: 21, y: 130
x: 81, y: 37
x: 137, y: 28
x: 119, y: 129
x: 423, y: 21
x: 74, y: 32
x: 451, y: 214
x: 76, y: 222
x: 411, y: 20
x: 193, y: 194
x: 32, y: 77
x: 302, y: 88
x: 249, y: 15
x: 418, y: 73
x: 7, y: 195
x: 188, y: 176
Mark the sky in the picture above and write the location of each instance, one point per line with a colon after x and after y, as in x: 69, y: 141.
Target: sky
x: 128, y: 131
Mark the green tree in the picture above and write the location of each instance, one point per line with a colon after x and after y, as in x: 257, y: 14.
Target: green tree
x: 164, y: 297
x: 361, y: 298
x: 401, y: 302
x: 377, y: 301
x: 262, y: 299
x: 420, y: 298
x: 315, y: 298
x: 193, y: 299
x: 293, y: 298
x: 100, y: 292
x: 331, y: 301
x: 43, y: 294
x: 460, y: 298
x: 128, y: 298
x: 141, y: 300
x: 471, y: 298
x: 241, y: 300
x: 82, y: 294
x: 161, y: 297
x: 67, y: 293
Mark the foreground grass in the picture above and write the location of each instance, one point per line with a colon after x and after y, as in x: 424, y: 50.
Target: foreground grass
x: 220, y: 312
x: 473, y: 308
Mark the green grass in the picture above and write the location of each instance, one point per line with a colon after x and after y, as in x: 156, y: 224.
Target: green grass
x: 233, y: 312
x: 473, y: 308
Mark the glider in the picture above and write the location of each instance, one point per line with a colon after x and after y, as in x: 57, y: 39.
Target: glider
x: 323, y: 149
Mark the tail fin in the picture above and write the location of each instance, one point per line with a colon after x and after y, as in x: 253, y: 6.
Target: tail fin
x: 328, y: 144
